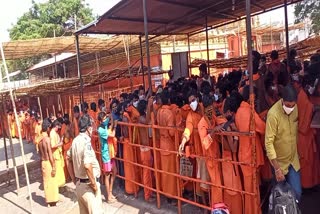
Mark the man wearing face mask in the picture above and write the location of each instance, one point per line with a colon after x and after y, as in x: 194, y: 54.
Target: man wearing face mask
x: 135, y: 100
x: 281, y: 139
x: 191, y: 135
x: 134, y: 117
x: 211, y: 148
x: 142, y: 94
x: 165, y: 118
x: 307, y: 143
x: 192, y: 121
x: 129, y: 154
x: 242, y: 122
x: 84, y: 169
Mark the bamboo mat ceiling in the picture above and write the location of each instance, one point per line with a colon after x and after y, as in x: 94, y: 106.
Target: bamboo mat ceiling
x: 34, y: 47
x: 20, y: 49
x: 304, y: 48
x: 72, y: 84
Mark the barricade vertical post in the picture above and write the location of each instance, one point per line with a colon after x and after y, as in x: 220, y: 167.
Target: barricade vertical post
x: 194, y: 189
x: 176, y: 142
x: 252, y: 123
x: 157, y: 170
x: 155, y: 160
x: 135, y: 155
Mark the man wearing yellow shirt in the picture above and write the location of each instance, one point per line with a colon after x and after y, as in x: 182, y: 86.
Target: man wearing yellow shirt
x: 281, y: 139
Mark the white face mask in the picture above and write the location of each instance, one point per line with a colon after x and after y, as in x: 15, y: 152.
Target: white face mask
x: 311, y: 90
x: 194, y: 105
x: 142, y: 97
x: 135, y: 104
x: 216, y: 97
x: 287, y: 109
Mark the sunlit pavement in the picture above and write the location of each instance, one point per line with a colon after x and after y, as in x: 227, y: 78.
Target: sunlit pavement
x: 15, y: 202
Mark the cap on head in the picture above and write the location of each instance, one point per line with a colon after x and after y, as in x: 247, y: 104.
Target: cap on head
x: 84, y: 123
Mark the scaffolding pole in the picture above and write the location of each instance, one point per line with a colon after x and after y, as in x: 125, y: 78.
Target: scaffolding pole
x: 146, y: 33
x: 252, y: 123
x: 207, y: 42
x: 5, y: 143
x: 79, y: 68
x: 141, y: 62
x: 19, y: 129
x: 189, y: 56
x: 11, y: 148
x: 286, y: 26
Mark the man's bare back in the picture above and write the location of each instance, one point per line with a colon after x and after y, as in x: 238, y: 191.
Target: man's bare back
x: 45, y: 148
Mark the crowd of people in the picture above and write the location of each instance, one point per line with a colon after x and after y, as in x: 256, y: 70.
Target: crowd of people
x: 204, y: 107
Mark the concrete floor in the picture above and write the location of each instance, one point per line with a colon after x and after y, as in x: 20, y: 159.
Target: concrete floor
x: 13, y: 202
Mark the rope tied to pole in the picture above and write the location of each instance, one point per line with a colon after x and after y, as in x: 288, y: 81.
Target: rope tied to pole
x: 127, y: 51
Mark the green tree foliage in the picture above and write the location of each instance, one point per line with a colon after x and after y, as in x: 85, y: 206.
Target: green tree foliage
x: 44, y: 20
x: 309, y: 9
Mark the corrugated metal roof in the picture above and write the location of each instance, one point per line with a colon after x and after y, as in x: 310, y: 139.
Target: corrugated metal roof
x: 51, y: 61
x: 168, y: 17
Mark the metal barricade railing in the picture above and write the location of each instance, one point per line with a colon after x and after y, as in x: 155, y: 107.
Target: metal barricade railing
x: 177, y: 175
